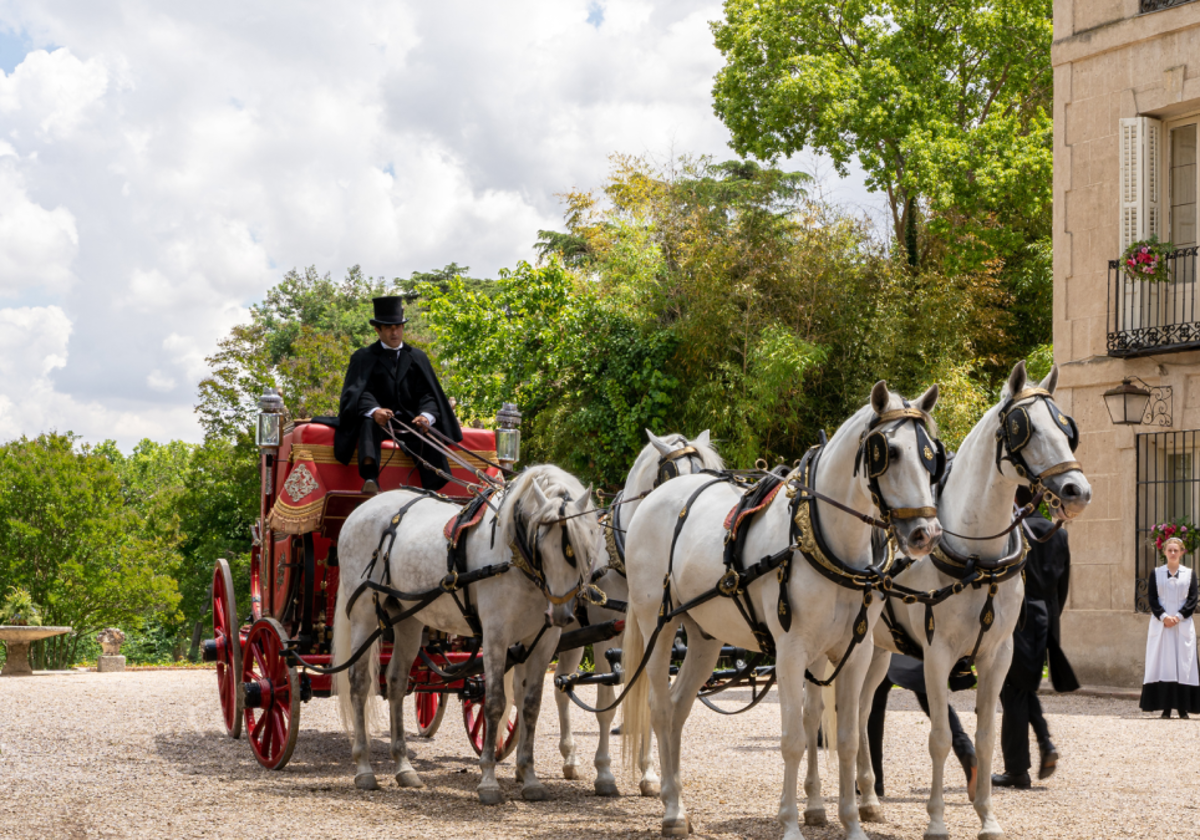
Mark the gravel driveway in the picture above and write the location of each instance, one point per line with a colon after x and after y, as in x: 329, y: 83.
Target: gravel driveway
x: 143, y: 754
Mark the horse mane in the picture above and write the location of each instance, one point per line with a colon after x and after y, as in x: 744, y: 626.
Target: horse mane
x: 555, y: 483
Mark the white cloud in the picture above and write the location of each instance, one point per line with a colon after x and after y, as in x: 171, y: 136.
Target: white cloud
x: 162, y: 165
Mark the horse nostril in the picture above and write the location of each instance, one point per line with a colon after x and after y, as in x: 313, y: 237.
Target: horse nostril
x: 919, y: 537
x: 1070, y: 491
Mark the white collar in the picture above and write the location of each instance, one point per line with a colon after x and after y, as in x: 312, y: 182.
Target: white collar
x: 393, y: 349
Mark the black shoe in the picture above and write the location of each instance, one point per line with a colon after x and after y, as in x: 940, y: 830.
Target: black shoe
x: 1049, y: 761
x: 1013, y: 780
x: 1166, y: 713
x: 370, y: 487
x: 616, y: 730
x: 1183, y: 715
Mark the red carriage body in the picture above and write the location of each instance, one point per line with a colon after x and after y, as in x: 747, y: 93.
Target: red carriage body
x: 306, y: 497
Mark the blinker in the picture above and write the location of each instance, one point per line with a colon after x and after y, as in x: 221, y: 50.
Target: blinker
x: 877, y: 454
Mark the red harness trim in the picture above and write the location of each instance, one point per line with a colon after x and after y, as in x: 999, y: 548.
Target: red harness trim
x: 732, y: 526
x: 453, y: 536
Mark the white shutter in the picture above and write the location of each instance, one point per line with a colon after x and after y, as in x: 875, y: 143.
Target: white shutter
x: 1141, y: 179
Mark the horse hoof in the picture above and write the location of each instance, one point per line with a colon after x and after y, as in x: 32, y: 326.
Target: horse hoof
x: 409, y: 779
x: 366, y: 781
x: 870, y: 813
x: 490, y: 796
x: 650, y: 788
x: 570, y: 771
x: 991, y: 835
x: 815, y: 816
x: 535, y: 793
x: 607, y: 789
x: 928, y: 836
x: 677, y: 828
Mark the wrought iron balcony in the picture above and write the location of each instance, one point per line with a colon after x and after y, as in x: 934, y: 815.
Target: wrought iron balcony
x: 1146, y: 317
x: 1155, y: 5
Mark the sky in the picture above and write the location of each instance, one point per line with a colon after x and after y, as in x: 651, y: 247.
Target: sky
x: 163, y: 164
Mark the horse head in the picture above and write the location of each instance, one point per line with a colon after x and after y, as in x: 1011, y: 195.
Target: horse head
x: 676, y: 456
x: 901, y: 459
x: 548, y: 518
x: 1036, y: 441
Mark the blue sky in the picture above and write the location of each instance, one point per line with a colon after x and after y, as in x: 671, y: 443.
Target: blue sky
x: 162, y: 165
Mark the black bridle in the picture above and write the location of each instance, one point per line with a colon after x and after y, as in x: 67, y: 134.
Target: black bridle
x: 876, y: 449
x: 527, y: 557
x: 1015, y: 432
x: 668, y: 469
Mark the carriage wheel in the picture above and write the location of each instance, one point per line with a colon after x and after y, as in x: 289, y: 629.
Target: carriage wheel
x: 431, y: 706
x: 229, y: 649
x: 271, y: 695
x: 476, y: 723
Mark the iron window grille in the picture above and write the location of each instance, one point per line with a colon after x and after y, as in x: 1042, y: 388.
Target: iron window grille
x: 1155, y: 5
x: 1168, y: 488
x: 1147, y: 317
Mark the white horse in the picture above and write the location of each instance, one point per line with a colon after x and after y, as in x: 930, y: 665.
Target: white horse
x: 676, y: 554
x: 660, y: 460
x: 1036, y: 442
x: 529, y: 602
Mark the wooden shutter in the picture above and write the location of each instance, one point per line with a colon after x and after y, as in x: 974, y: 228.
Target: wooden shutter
x: 1141, y: 179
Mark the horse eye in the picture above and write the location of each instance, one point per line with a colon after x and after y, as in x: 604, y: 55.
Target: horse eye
x: 893, y: 453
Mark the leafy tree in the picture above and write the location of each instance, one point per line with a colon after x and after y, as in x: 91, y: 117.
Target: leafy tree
x: 70, y: 535
x: 945, y: 105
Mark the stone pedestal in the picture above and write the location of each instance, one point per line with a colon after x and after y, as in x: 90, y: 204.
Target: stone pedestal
x: 16, y: 640
x: 110, y: 664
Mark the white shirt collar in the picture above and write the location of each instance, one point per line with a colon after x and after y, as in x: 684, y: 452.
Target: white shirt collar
x: 393, y: 349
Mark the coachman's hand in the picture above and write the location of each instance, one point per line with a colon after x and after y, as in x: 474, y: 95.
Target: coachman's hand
x: 382, y: 416
x: 421, y: 422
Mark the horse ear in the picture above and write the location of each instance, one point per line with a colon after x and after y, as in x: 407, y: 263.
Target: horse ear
x: 702, y: 439
x: 1016, y: 380
x: 582, y: 503
x: 661, y: 445
x: 928, y: 400
x: 1050, y: 383
x: 880, y: 397
x: 538, y: 496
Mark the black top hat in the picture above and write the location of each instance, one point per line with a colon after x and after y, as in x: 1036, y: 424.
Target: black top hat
x: 388, y: 311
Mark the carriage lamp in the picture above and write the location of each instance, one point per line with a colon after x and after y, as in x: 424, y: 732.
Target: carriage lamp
x: 270, y: 416
x: 508, y: 435
x: 1132, y: 404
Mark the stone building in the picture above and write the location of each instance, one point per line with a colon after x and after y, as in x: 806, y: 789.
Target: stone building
x: 1126, y: 119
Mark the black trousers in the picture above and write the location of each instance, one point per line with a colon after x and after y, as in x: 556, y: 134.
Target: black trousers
x: 1022, y: 709
x: 960, y: 741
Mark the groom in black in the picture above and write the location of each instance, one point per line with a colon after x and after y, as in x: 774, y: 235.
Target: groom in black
x: 391, y: 379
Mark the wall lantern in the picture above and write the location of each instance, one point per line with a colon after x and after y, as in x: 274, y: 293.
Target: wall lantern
x: 508, y: 435
x: 270, y: 419
x: 1141, y: 404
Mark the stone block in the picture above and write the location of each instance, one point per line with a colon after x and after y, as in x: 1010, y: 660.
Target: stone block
x: 1092, y: 13
x: 110, y: 664
x: 1106, y: 647
x: 1091, y: 590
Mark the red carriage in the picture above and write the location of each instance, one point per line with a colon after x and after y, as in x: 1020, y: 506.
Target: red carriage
x: 306, y: 496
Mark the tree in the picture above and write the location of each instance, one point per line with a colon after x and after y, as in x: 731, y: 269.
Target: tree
x: 71, y: 535
x: 944, y: 104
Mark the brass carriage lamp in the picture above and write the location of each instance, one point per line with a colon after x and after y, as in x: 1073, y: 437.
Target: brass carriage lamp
x: 270, y: 419
x: 1127, y: 403
x: 508, y: 435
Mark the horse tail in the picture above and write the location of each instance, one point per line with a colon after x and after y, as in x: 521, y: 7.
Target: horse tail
x: 341, y: 650
x: 635, y: 710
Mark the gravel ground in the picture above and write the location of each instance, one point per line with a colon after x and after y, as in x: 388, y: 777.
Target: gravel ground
x: 143, y: 754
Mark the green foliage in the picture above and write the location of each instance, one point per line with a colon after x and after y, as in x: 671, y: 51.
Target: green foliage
x: 69, y: 536
x: 18, y: 608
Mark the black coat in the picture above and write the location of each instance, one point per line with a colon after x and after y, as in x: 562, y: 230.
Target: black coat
x: 407, y: 387
x: 1039, y: 637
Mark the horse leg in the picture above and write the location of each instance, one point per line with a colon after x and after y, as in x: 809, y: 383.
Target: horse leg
x: 404, y: 651
x: 814, y: 804
x: 869, y: 809
x: 568, y: 663
x: 846, y: 689
x: 991, y: 679
x: 937, y: 670
x: 363, y: 676
x: 797, y: 723
x: 675, y: 821
x: 495, y: 708
x: 606, y: 782
x: 697, y: 668
x: 533, y: 675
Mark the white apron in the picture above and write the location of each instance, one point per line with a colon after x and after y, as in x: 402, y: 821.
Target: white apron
x: 1171, y: 651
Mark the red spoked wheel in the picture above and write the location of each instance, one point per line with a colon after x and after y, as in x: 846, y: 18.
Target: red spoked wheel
x: 431, y: 706
x: 476, y: 723
x: 228, y: 649
x: 271, y: 694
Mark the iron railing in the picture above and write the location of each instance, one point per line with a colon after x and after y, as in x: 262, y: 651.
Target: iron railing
x: 1147, y: 317
x: 1168, y: 490
x: 1155, y: 5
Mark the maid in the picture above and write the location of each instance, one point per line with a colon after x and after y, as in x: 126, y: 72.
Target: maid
x: 1172, y: 680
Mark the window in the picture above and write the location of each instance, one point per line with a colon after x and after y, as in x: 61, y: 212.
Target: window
x: 1168, y: 490
x: 1182, y: 185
